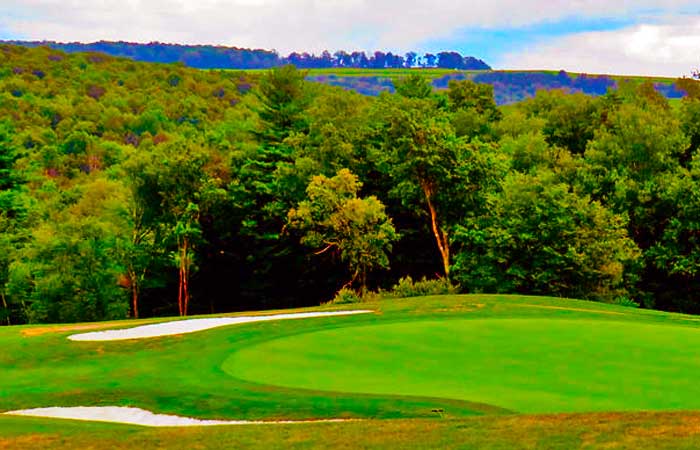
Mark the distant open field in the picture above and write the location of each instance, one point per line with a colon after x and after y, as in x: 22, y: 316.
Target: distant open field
x: 510, y: 86
x: 389, y: 73
x: 436, y: 73
x: 429, y: 372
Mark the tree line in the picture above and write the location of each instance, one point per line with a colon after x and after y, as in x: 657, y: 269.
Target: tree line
x: 223, y: 57
x: 134, y: 189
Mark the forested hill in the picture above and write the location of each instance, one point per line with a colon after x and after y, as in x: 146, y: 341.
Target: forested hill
x: 130, y: 188
x: 508, y: 86
x: 221, y: 57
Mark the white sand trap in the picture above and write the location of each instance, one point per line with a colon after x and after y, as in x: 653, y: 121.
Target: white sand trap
x: 138, y: 416
x: 193, y: 325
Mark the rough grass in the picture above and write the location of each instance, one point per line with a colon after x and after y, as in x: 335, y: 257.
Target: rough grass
x: 566, y: 432
x: 184, y: 375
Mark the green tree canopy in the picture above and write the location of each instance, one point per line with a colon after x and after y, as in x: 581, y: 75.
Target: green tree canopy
x: 334, y: 218
x: 539, y: 237
x: 434, y: 172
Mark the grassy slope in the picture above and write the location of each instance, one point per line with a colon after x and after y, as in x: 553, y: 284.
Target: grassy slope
x: 183, y: 375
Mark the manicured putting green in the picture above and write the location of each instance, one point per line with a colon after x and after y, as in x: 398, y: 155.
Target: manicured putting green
x: 526, y: 365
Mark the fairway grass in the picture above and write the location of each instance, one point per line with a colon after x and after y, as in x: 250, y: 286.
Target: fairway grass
x: 431, y: 372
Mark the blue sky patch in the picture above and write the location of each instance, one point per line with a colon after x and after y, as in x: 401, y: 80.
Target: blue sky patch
x: 491, y: 43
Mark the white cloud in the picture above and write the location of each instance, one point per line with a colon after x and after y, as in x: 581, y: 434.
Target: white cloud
x: 289, y: 25
x: 667, y: 49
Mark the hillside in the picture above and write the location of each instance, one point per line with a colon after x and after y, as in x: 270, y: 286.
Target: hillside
x: 222, y: 57
x: 509, y: 86
x: 368, y: 74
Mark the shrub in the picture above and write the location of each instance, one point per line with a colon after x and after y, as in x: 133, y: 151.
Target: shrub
x: 372, y: 296
x: 345, y: 296
x: 625, y: 301
x: 406, y: 287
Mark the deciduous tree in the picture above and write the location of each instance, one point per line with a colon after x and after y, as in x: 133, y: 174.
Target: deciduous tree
x: 334, y: 218
x: 434, y: 172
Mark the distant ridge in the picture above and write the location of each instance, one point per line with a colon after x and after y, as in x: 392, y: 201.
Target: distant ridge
x: 222, y: 57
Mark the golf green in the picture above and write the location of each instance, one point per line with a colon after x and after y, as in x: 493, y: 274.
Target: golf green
x: 525, y: 365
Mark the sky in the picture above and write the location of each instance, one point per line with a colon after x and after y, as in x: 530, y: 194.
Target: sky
x: 641, y: 37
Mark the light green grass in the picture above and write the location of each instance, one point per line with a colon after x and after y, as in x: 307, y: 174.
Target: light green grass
x: 191, y: 375
x: 525, y: 365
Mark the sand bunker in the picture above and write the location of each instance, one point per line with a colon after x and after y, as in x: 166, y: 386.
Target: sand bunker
x: 138, y: 416
x: 193, y: 325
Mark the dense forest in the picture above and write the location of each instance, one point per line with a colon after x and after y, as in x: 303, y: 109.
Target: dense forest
x: 129, y: 189
x: 221, y: 57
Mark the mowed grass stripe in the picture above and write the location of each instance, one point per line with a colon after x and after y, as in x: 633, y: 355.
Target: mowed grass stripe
x: 527, y: 365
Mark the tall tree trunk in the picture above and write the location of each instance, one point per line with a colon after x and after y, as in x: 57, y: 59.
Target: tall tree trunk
x: 181, y: 277
x: 183, y: 294
x: 4, y: 304
x: 135, y: 271
x: 363, y: 282
x: 185, y: 282
x: 135, y: 301
x: 134, y: 284
x: 179, y: 293
x: 441, y: 238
